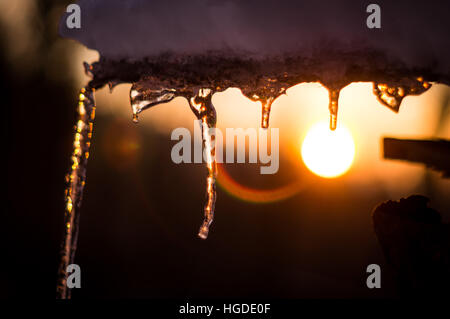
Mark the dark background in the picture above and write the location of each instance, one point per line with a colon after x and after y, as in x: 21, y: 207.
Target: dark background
x: 141, y: 212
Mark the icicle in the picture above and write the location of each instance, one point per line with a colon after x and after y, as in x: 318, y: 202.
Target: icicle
x: 266, y: 106
x: 142, y: 98
x: 266, y: 90
x: 204, y: 110
x: 333, y: 107
x: 392, y: 95
x: 76, y: 179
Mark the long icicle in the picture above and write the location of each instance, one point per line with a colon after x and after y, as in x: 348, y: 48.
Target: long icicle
x: 76, y: 179
x: 203, y: 108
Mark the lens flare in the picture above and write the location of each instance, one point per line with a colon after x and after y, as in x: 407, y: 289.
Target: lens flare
x: 328, y: 153
x: 261, y: 196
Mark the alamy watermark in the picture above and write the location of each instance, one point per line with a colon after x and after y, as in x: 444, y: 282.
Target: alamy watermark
x: 373, y: 21
x: 374, y: 279
x: 256, y: 141
x: 74, y: 276
x: 73, y: 20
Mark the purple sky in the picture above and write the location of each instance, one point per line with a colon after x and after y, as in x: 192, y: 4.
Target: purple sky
x: 415, y: 31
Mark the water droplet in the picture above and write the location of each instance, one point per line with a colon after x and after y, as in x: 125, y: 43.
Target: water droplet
x: 88, y: 69
x: 69, y: 205
x: 111, y: 85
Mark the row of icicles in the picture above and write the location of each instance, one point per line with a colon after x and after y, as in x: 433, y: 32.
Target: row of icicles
x: 202, y: 107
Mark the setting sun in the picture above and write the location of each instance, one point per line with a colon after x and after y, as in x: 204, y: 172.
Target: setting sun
x: 328, y: 153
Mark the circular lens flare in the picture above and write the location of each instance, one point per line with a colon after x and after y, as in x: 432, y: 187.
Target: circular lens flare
x: 328, y: 153
x: 262, y: 196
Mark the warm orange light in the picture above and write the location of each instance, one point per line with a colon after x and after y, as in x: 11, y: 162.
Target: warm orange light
x: 328, y: 153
